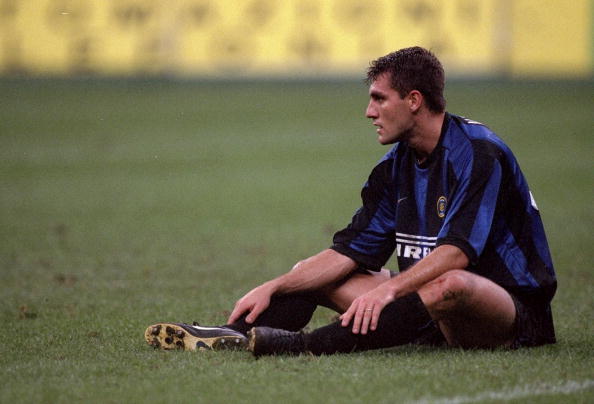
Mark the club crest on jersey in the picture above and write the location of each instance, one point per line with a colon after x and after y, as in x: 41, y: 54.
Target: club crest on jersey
x: 442, y: 203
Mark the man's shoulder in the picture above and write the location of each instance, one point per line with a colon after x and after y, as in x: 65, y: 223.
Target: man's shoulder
x: 462, y: 128
x: 473, y: 137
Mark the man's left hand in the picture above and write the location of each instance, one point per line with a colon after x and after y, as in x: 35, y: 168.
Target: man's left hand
x: 365, y: 310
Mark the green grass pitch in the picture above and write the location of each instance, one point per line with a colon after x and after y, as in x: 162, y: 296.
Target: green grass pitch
x: 124, y: 203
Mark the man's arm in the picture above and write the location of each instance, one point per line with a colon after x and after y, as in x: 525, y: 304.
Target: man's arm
x: 310, y: 274
x: 366, y: 309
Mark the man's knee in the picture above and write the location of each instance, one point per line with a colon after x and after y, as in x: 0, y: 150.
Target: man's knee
x: 449, y: 292
x: 472, y: 311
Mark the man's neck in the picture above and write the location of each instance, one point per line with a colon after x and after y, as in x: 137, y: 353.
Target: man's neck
x: 426, y: 133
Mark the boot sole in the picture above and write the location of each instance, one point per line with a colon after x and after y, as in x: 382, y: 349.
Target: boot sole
x: 170, y: 336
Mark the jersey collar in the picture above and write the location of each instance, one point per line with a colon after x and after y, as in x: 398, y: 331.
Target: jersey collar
x: 435, y: 152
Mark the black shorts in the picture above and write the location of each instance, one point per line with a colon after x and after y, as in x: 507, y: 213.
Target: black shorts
x: 534, y: 322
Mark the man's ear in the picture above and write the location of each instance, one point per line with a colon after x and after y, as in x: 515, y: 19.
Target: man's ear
x: 415, y: 100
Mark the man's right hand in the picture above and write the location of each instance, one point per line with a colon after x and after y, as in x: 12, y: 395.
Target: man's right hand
x: 254, y: 302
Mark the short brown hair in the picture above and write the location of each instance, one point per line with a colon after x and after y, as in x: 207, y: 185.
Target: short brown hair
x: 410, y: 69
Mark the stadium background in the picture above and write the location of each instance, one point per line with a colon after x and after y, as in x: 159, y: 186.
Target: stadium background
x: 264, y: 38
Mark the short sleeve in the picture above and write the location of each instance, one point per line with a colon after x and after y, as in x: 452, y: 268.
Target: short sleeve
x: 369, y: 238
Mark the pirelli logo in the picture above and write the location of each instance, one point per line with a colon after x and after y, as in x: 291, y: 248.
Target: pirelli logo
x: 413, y: 246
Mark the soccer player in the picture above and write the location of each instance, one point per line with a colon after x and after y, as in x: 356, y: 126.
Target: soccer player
x: 450, y: 200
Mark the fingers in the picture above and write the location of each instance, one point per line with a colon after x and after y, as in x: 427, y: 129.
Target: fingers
x: 359, y: 313
x: 237, y: 312
x: 254, y: 313
x: 241, y: 308
x: 347, y: 315
x: 362, y: 319
x: 362, y: 315
x: 375, y: 318
x: 252, y: 304
x: 367, y: 313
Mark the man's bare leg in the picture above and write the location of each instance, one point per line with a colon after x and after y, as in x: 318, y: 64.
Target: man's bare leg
x: 472, y: 311
x: 340, y: 295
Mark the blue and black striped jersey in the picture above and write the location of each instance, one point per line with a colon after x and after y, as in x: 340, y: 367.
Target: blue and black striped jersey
x: 471, y: 193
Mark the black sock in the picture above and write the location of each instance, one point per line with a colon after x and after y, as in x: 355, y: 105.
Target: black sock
x: 401, y: 322
x: 288, y: 312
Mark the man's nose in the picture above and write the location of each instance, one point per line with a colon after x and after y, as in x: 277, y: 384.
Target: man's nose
x: 370, y: 112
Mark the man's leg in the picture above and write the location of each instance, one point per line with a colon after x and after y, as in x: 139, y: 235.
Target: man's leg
x: 289, y: 312
x: 402, y: 321
x: 340, y: 295
x: 472, y: 311
x: 293, y: 312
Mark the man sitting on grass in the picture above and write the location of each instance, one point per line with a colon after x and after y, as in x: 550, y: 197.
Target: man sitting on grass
x: 451, y: 201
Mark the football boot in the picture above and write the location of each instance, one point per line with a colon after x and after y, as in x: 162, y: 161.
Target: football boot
x: 193, y: 337
x: 273, y: 341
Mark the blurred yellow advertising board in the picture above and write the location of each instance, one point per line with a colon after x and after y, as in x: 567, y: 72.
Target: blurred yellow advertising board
x: 552, y: 37
x: 292, y: 37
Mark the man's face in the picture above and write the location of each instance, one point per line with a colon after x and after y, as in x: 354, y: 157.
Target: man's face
x: 389, y: 112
